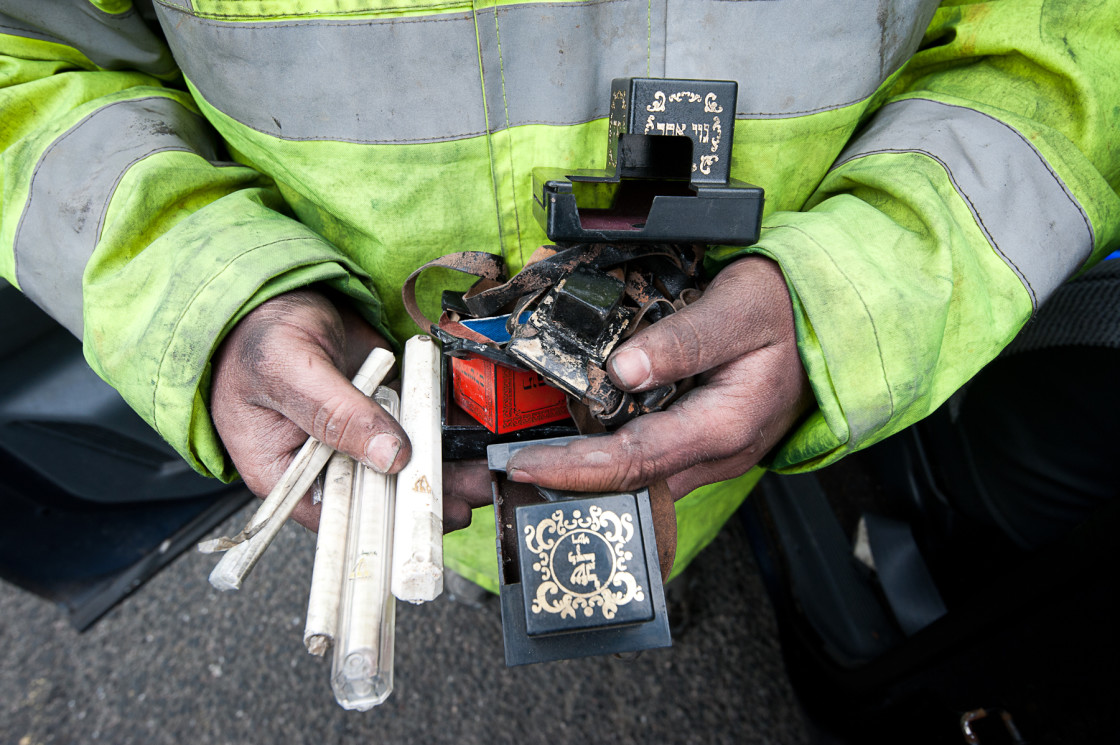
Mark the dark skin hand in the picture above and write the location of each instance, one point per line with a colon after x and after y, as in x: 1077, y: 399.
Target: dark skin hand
x: 284, y: 372
x: 739, y: 338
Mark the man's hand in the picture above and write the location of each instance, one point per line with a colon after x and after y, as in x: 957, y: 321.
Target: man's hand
x: 466, y: 485
x: 282, y: 374
x: 739, y: 337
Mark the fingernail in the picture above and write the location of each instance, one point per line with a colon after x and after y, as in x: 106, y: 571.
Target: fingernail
x: 516, y: 474
x: 382, y: 451
x: 631, y: 367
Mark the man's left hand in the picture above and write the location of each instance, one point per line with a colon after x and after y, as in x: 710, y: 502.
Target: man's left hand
x: 739, y: 338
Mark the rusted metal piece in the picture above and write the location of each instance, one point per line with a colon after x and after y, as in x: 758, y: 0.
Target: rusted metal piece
x: 550, y: 268
x: 584, y: 300
x: 607, y: 403
x: 532, y: 279
x: 452, y: 326
x: 569, y: 336
x: 692, y: 258
x: 459, y: 341
x: 651, y: 301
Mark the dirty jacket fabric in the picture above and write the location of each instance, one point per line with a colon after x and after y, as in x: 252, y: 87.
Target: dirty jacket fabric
x: 931, y: 174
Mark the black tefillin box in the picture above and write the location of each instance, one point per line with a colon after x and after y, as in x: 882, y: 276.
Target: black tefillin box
x: 668, y: 175
x: 667, y: 189
x: 580, y: 572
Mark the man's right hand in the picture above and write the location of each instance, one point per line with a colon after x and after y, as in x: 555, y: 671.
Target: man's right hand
x: 282, y: 374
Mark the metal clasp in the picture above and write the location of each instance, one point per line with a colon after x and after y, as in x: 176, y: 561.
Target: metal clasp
x: 970, y: 736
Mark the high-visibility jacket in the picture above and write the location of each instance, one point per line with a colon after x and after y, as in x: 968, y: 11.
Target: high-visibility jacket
x: 931, y: 175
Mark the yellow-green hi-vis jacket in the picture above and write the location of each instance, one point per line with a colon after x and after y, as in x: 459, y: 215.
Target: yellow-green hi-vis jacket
x: 931, y: 174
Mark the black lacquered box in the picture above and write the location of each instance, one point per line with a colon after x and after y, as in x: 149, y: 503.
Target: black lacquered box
x: 579, y: 572
x: 582, y: 565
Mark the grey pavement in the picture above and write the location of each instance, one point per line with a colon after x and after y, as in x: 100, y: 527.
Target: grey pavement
x: 178, y: 662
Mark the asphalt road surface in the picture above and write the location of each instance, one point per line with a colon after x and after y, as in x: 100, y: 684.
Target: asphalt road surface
x: 179, y: 663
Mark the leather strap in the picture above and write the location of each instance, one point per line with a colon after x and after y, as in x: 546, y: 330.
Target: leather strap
x: 493, y: 292
x: 477, y: 263
x: 664, y: 525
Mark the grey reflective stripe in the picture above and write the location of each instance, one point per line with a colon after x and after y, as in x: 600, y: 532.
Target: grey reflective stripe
x: 1028, y: 215
x: 417, y: 78
x: 71, y: 188
x: 553, y: 64
x: 790, y: 57
x: 395, y: 80
x: 114, y: 41
x: 16, y: 27
x: 794, y: 57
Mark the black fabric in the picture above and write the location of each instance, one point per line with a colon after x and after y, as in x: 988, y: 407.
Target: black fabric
x: 1040, y: 426
x: 1041, y: 431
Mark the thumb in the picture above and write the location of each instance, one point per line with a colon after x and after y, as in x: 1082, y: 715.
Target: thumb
x: 323, y: 403
x: 739, y: 312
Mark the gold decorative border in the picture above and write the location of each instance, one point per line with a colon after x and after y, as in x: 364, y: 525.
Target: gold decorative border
x: 553, y: 595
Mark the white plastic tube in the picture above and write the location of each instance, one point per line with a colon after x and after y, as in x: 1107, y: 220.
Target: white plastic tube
x: 418, y: 529
x: 330, y: 556
x: 362, y: 666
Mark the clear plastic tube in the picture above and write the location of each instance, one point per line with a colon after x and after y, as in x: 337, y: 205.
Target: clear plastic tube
x: 362, y: 668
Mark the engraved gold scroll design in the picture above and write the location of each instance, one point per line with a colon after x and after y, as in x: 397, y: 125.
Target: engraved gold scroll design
x: 703, y: 132
x: 583, y: 590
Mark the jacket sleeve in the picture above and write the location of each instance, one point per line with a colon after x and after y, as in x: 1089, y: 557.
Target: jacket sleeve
x: 121, y: 218
x: 986, y: 179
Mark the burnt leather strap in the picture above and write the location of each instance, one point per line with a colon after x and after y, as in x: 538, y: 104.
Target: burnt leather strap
x: 664, y: 525
x: 550, y: 269
x: 477, y: 263
x: 493, y: 292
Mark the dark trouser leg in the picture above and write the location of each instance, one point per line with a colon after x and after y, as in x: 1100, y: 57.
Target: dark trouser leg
x: 1042, y: 432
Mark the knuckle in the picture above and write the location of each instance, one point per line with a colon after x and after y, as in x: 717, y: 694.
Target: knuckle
x: 683, y: 341
x: 265, y: 358
x: 334, y: 421
x: 261, y: 475
x: 711, y: 433
x: 268, y: 335
x: 632, y: 468
x: 735, y: 433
